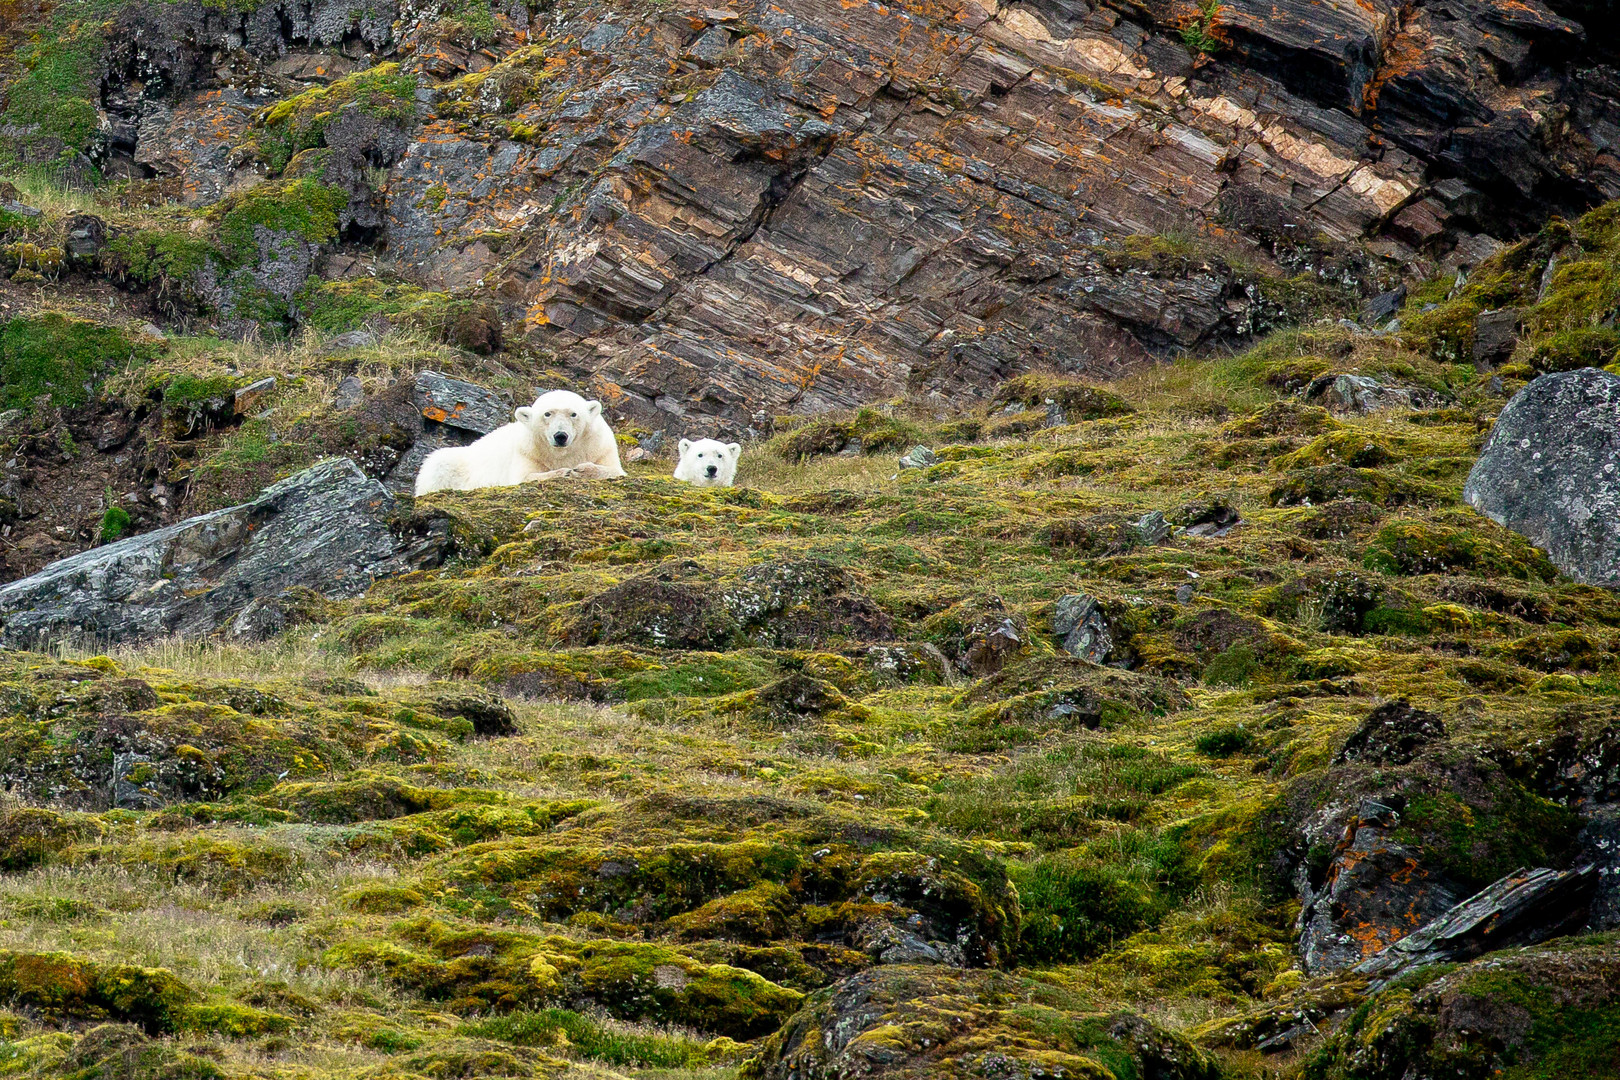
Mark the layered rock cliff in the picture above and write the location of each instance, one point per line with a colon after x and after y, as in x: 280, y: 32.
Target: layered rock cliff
x: 714, y: 214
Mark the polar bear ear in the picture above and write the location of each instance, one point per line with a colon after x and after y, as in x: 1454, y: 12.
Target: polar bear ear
x: 522, y: 413
x: 734, y: 448
x: 593, y: 408
x: 686, y: 444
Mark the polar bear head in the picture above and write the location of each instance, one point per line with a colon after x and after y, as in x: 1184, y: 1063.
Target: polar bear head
x: 558, y: 418
x: 708, y: 463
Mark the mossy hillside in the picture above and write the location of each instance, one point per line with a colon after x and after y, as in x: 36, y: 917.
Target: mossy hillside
x: 829, y: 743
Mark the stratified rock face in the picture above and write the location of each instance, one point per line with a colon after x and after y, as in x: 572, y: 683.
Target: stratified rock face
x: 712, y: 212
x: 1520, y: 909
x: 1551, y: 472
x: 326, y: 528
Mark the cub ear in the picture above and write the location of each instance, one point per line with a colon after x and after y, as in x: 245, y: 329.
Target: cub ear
x: 522, y: 413
x: 686, y: 444
x: 734, y: 448
x: 594, y: 408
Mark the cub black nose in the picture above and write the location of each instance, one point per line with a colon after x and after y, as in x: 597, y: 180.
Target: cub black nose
x: 561, y: 438
x: 714, y: 470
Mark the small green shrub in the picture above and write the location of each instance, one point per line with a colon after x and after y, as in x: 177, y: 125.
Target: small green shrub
x: 1225, y: 742
x: 114, y: 523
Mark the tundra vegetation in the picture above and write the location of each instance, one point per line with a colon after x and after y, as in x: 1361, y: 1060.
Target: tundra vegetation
x: 643, y: 774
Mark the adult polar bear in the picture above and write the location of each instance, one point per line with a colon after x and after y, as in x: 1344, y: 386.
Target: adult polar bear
x: 560, y: 434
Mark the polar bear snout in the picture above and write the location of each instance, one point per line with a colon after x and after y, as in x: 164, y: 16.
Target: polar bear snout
x: 559, y: 439
x: 713, y: 470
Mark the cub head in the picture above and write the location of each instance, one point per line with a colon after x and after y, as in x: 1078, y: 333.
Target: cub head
x: 558, y: 418
x: 708, y: 463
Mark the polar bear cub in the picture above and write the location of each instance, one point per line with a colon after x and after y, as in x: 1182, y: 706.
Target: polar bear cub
x: 708, y: 462
x: 561, y: 434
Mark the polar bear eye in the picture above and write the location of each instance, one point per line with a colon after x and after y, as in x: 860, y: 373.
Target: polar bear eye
x: 573, y: 416
x: 548, y: 414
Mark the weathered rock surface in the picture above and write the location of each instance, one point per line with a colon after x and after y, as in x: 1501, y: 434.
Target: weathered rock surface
x: 1078, y: 621
x: 1375, y: 890
x: 709, y: 213
x: 1550, y: 471
x: 1391, y: 735
x: 1520, y: 909
x: 327, y: 528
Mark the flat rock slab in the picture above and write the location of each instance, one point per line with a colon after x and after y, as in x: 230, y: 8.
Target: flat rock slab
x: 1550, y: 471
x: 326, y: 528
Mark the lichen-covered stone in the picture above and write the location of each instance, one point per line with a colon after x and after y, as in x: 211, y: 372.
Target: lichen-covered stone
x: 327, y: 527
x: 1550, y: 471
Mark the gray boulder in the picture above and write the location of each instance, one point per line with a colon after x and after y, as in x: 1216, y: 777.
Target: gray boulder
x: 1078, y: 621
x: 1550, y: 471
x: 919, y: 457
x: 1357, y: 393
x: 328, y: 528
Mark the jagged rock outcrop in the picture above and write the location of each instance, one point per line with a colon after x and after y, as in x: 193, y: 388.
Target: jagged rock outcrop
x: 1550, y: 471
x: 714, y: 212
x: 328, y: 528
x: 1521, y: 909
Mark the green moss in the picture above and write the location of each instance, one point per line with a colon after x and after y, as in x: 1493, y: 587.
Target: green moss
x: 1325, y: 483
x: 61, y: 985
x: 232, y: 1020
x: 168, y: 259
x: 336, y: 306
x: 53, y: 99
x: 299, y: 123
x: 304, y: 207
x: 114, y: 523
x: 1225, y: 742
x: 1480, y: 842
x: 591, y: 1039
x: 61, y: 356
x: 1411, y: 547
x: 1078, y: 400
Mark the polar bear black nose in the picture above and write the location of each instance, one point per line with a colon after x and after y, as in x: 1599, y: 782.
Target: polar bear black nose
x: 561, y: 438
x: 714, y: 470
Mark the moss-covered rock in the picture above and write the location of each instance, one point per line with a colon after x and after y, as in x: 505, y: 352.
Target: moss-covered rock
x: 1536, y: 1014
x: 64, y: 986
x: 915, y: 1022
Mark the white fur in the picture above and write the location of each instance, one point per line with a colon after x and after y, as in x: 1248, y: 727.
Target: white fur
x: 527, y: 448
x: 708, y: 462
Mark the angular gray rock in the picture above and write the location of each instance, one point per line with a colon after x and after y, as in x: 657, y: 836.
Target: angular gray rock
x: 1357, y: 393
x: 1153, y: 528
x: 1078, y: 620
x: 460, y: 404
x: 1495, y: 335
x: 1523, y: 908
x: 1550, y: 471
x: 327, y: 528
x: 454, y: 413
x: 919, y: 457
